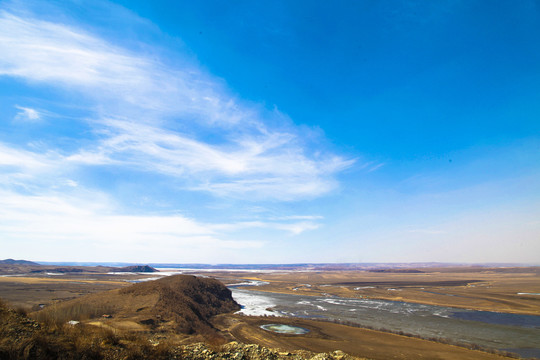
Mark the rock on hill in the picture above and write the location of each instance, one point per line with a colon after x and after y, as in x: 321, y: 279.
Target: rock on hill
x: 234, y: 350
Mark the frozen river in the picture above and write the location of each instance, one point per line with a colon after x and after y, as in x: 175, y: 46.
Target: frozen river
x: 511, y: 332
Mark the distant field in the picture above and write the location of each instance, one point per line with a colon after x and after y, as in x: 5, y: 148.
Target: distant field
x: 31, y: 290
x: 493, y: 289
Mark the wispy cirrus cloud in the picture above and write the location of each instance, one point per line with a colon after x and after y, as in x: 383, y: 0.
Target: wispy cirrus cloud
x: 27, y: 114
x: 119, y: 80
x: 139, y: 102
x: 17, y: 160
x: 263, y: 166
x: 294, y: 228
x: 140, y: 115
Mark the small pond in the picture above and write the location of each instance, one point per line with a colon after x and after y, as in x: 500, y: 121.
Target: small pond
x: 285, y: 329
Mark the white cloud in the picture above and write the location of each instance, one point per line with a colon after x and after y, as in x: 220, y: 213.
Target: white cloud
x: 34, y: 171
x: 71, y: 183
x: 138, y: 98
x: 294, y: 228
x: 277, y: 188
x: 22, y: 159
x: 90, y: 219
x: 177, y: 123
x: 26, y: 114
x: 267, y: 169
x: 25, y: 169
x: 43, y: 51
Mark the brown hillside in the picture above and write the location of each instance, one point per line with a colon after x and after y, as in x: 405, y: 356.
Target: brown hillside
x: 187, y: 300
x: 24, y: 339
x: 181, y: 303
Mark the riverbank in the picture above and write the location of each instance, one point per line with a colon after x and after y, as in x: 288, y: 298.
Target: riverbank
x: 508, y: 290
x: 487, y: 330
x: 326, y: 337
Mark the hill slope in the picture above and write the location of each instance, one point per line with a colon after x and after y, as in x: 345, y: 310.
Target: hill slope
x: 180, y: 303
x: 23, y: 338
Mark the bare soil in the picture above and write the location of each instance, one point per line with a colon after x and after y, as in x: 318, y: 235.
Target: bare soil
x: 327, y: 337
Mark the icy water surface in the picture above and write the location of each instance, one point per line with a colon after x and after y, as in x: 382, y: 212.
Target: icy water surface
x: 518, y: 333
x: 285, y: 329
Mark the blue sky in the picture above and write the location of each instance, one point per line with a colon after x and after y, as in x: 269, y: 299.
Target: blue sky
x: 270, y: 131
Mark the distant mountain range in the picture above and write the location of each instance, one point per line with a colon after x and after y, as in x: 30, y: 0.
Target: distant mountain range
x: 18, y: 262
x: 297, y: 266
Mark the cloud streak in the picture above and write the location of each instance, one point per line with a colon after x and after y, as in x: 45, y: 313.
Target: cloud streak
x: 142, y: 117
x: 139, y: 102
x: 26, y: 114
x: 294, y: 228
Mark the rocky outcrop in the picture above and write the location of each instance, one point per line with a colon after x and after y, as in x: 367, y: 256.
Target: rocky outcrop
x: 237, y: 351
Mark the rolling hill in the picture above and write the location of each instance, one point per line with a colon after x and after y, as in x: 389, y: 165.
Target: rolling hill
x: 180, y: 303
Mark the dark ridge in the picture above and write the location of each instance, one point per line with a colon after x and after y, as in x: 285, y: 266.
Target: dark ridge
x: 137, y: 268
x: 18, y: 262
